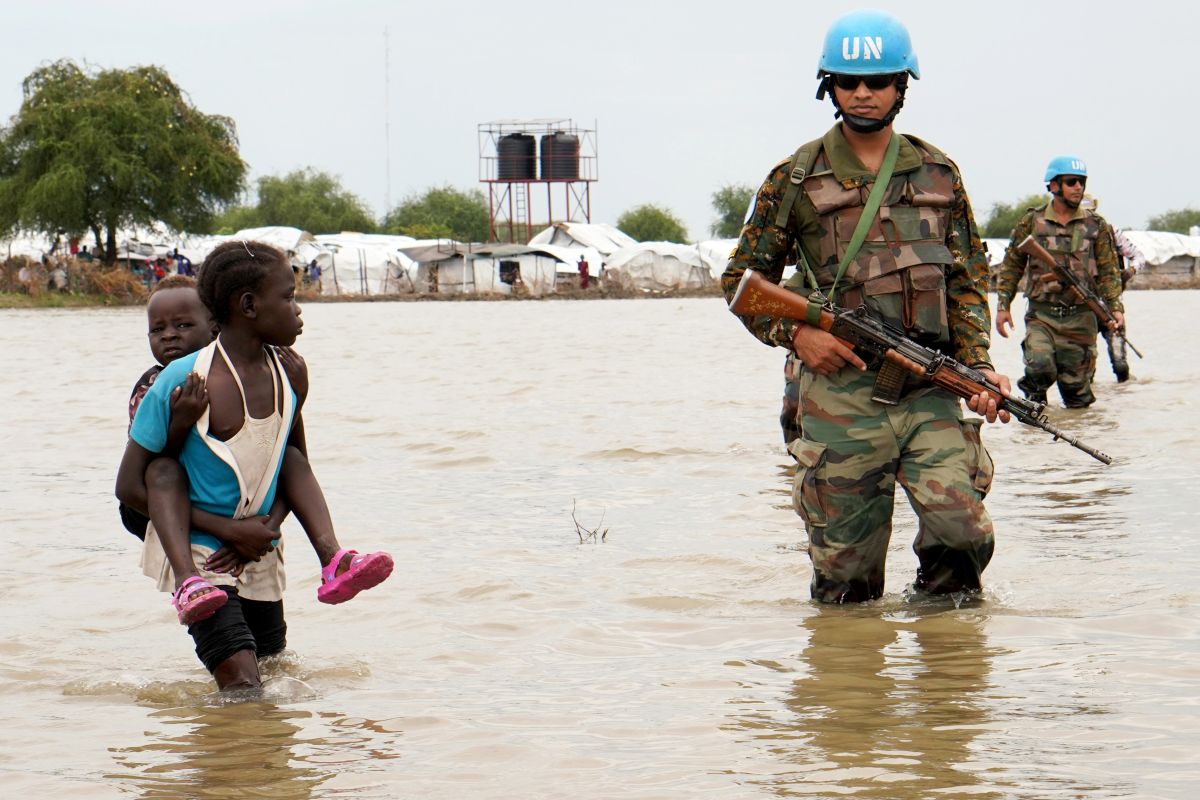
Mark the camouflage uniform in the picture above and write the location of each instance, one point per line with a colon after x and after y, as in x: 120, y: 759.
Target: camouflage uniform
x: 922, y: 268
x: 1060, y: 330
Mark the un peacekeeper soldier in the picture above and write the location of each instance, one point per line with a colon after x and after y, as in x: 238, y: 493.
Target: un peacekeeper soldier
x: 1060, y: 329
x: 921, y: 268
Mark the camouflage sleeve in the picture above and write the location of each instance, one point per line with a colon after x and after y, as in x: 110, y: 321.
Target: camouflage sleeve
x: 1009, y: 273
x: 1108, y: 270
x: 966, y: 284
x: 766, y: 248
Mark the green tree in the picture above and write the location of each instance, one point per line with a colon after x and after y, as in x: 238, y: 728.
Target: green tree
x: 237, y: 218
x: 1180, y: 220
x: 650, y: 223
x: 730, y: 202
x: 111, y: 149
x: 1004, y: 217
x: 462, y: 215
x: 312, y: 201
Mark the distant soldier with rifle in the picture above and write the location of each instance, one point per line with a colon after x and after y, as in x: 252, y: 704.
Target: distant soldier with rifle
x: 1130, y: 261
x: 1073, y: 284
x: 877, y: 220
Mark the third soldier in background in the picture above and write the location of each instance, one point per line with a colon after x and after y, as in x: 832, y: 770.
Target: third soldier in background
x: 1060, y: 329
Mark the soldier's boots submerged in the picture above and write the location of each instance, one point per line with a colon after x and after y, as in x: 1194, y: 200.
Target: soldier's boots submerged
x: 1076, y: 397
x: 944, y: 570
x: 855, y: 590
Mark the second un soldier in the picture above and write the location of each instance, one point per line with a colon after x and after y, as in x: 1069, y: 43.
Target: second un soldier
x: 1060, y: 329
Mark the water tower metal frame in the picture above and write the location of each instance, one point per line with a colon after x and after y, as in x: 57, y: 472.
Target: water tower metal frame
x: 510, y: 200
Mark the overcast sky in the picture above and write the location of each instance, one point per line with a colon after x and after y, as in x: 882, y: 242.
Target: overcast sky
x: 686, y: 96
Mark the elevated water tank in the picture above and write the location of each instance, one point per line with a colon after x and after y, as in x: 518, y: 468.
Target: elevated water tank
x: 516, y: 154
x: 560, y: 156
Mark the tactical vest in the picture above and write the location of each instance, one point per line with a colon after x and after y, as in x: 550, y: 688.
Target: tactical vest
x: 900, y: 270
x: 1075, y: 243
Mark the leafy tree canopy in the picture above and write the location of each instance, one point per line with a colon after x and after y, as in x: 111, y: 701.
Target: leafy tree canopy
x: 1181, y: 220
x: 110, y: 149
x: 460, y: 215
x: 650, y: 223
x: 730, y: 202
x: 1004, y: 217
x: 312, y: 201
x: 237, y: 218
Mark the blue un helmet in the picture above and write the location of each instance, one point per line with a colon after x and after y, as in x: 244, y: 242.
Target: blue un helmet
x: 867, y: 42
x: 1064, y: 165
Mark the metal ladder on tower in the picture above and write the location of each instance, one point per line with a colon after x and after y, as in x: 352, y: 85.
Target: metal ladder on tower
x: 518, y: 226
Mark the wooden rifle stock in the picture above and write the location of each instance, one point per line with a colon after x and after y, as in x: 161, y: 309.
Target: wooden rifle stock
x: 756, y: 296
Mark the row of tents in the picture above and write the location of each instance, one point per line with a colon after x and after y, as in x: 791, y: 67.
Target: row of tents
x: 369, y: 264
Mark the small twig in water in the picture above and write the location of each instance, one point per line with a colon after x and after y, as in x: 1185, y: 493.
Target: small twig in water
x: 588, y: 534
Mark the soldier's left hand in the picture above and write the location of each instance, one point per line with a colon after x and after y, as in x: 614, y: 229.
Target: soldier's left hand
x: 1118, y: 322
x: 985, y: 404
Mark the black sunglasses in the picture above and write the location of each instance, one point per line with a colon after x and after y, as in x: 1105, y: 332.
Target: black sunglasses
x: 1073, y: 180
x: 848, y: 83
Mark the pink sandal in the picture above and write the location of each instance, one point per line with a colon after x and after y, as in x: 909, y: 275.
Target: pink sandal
x: 191, y: 606
x: 364, y: 572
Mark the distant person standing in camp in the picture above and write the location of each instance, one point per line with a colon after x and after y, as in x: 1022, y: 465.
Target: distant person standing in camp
x: 1060, y: 328
x: 584, y: 277
x: 924, y: 272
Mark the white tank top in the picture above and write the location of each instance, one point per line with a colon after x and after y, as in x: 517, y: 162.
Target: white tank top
x: 254, y: 444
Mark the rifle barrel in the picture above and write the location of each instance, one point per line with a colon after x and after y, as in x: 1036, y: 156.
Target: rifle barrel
x: 1053, y: 430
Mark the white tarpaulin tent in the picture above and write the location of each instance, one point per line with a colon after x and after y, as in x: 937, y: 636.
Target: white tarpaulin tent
x: 485, y: 269
x: 300, y: 246
x: 602, y: 238
x: 659, y: 267
x: 365, y: 263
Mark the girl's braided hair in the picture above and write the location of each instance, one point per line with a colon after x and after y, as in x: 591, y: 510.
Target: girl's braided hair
x: 235, y: 267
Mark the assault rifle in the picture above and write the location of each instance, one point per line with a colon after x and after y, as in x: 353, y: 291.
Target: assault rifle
x: 757, y: 296
x: 1067, y: 277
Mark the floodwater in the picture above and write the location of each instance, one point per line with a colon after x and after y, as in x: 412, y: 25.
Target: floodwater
x: 673, y: 654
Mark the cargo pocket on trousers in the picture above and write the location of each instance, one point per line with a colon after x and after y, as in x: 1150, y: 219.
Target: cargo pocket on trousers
x: 980, y: 466
x: 810, y: 475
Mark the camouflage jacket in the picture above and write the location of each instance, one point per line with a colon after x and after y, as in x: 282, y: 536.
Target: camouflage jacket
x: 767, y: 248
x: 1094, y: 257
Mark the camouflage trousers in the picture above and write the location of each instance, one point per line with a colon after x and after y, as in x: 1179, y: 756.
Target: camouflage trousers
x: 851, y: 454
x: 1062, y: 348
x: 1116, y: 354
x: 789, y: 415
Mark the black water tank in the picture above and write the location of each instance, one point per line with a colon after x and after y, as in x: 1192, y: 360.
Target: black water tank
x: 517, y: 157
x: 560, y: 156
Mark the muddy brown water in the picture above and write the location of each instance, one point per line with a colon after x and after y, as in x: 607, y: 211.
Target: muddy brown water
x: 679, y: 657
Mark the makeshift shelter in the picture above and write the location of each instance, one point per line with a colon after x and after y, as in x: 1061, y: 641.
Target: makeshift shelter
x: 363, y: 263
x: 600, y: 237
x: 658, y: 267
x: 1171, y: 258
x: 299, y: 246
x: 450, y: 267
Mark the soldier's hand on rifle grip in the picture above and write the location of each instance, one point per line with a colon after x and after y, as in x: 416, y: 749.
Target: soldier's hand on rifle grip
x: 986, y: 405
x: 1117, y: 323
x: 823, y: 352
x: 1004, y: 322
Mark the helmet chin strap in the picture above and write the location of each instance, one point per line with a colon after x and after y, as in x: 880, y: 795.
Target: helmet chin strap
x: 1071, y: 204
x: 864, y: 124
